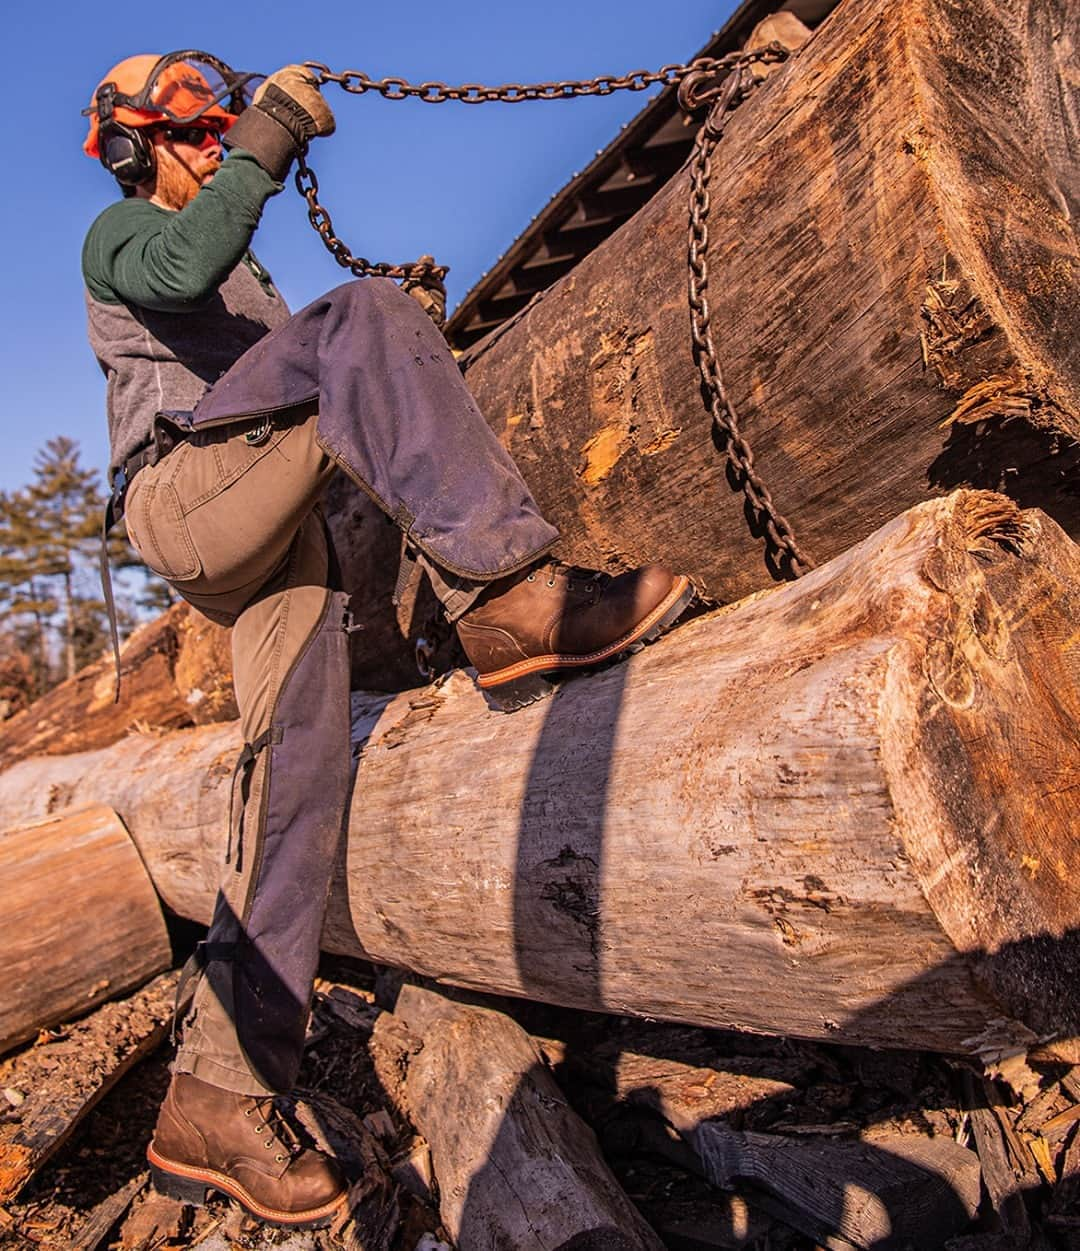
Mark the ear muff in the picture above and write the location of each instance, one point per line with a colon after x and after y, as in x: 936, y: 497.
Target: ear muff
x: 126, y: 153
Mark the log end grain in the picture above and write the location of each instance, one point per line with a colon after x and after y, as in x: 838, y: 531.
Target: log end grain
x: 82, y: 921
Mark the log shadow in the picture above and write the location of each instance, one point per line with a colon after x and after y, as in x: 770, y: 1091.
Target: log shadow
x: 845, y: 1183
x: 558, y: 906
x: 559, y: 918
x: 1036, y: 468
x: 559, y: 870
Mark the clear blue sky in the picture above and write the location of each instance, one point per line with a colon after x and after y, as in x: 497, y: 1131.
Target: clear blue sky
x: 400, y: 179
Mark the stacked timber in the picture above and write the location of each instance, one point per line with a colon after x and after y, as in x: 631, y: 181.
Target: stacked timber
x: 894, y: 275
x: 176, y: 671
x: 857, y: 790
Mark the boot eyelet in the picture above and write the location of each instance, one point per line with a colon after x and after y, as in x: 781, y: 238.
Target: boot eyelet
x: 530, y: 577
x: 551, y: 582
x: 268, y: 1143
x: 259, y: 1128
x: 248, y: 1111
x: 280, y: 1158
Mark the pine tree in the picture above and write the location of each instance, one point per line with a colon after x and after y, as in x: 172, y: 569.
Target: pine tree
x: 64, y: 521
x: 24, y: 599
x: 49, y: 552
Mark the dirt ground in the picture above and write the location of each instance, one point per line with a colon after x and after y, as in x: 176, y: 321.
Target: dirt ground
x: 610, y: 1069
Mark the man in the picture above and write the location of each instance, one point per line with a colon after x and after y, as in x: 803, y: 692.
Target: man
x: 227, y: 417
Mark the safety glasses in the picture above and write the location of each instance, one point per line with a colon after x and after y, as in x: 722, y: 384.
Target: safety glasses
x: 193, y: 136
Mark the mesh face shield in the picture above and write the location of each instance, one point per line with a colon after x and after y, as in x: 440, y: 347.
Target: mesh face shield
x: 186, y: 86
x: 181, y: 88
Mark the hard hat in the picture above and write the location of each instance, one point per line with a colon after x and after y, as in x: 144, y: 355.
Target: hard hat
x: 180, y: 87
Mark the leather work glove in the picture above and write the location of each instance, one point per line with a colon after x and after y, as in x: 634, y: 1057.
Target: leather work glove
x: 429, y: 293
x: 286, y: 111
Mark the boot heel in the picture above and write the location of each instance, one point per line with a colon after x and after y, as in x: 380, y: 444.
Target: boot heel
x: 510, y: 696
x: 186, y: 1189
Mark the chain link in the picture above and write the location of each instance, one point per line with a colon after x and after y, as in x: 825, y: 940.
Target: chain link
x: 719, y: 84
x: 357, y: 82
x: 424, y: 272
x: 722, y: 93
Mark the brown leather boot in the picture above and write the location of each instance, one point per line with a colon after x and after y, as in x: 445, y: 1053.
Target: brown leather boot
x: 210, y: 1139
x: 557, y: 616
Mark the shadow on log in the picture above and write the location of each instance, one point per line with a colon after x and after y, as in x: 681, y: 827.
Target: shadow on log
x: 516, y: 1166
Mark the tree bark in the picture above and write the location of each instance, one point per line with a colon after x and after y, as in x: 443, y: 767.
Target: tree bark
x: 82, y: 923
x: 894, y: 273
x: 842, y: 809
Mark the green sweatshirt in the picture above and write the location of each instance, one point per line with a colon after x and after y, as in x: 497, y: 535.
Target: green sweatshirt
x: 174, y: 298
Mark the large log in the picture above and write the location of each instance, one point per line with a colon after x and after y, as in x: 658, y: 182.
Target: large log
x: 82, y: 923
x: 843, y: 809
x: 895, y: 272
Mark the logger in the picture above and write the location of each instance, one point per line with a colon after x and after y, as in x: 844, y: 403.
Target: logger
x: 227, y: 417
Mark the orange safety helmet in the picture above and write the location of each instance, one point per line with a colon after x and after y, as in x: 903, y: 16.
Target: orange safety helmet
x: 180, y: 87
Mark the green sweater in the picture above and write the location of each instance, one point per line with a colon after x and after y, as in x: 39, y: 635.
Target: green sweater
x: 174, y: 298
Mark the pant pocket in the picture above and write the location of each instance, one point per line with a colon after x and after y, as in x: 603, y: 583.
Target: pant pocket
x: 158, y: 528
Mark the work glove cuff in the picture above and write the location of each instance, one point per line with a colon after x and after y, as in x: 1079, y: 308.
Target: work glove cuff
x: 287, y: 111
x: 273, y: 144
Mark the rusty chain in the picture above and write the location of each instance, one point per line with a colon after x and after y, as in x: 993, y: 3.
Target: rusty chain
x: 721, y: 93
x: 358, y: 83
x: 424, y: 272
x: 716, y: 83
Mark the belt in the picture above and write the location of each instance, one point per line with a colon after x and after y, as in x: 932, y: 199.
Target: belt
x: 165, y: 438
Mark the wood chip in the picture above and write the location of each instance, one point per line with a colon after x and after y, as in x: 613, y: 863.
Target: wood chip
x: 1040, y: 1109
x: 981, y: 1096
x: 105, y: 1216
x: 412, y: 1170
x: 352, y: 1009
x: 153, y: 1219
x: 1058, y: 1126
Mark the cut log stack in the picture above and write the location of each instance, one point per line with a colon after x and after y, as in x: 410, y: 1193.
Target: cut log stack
x: 856, y: 790
x: 176, y: 671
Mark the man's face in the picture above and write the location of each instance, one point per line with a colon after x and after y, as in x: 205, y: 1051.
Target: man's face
x: 187, y: 158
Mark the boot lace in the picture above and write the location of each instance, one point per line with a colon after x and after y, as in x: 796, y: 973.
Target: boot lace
x: 575, y: 575
x: 281, y: 1134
